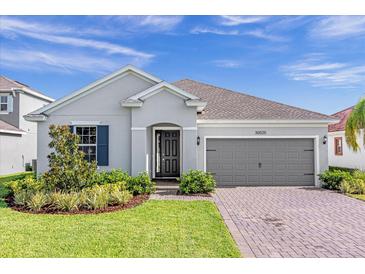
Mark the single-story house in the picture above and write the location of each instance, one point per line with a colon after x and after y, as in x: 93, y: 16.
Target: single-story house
x: 339, y: 152
x: 135, y: 121
x: 18, y: 137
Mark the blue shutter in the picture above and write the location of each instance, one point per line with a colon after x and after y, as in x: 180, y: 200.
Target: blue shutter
x: 103, y: 145
x: 10, y: 103
x: 72, y: 129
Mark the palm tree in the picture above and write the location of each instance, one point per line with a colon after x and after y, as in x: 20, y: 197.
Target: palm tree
x: 354, y: 124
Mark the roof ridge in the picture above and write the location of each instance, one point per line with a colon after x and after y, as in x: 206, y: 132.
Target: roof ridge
x: 12, y: 81
x: 245, y: 94
x: 342, y: 110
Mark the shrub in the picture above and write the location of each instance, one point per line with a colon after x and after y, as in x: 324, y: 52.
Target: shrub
x: 28, y: 184
x: 65, y: 201
x: 359, y: 186
x: 15, y: 177
x: 68, y: 170
x: 37, y: 201
x: 96, y: 197
x: 357, y: 174
x: 332, y: 168
x: 332, y: 179
x: 353, y: 186
x: 346, y: 187
x: 141, y: 184
x: 196, y: 181
x: 119, y: 197
x: 22, y: 197
x: 113, y: 176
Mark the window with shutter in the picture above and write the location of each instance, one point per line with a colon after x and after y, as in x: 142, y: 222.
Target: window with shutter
x: 103, y: 145
x: 88, y: 142
x: 4, y: 103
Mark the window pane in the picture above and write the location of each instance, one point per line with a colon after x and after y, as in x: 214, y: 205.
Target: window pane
x: 85, y: 140
x: 85, y: 131
x: 4, y: 99
x: 92, y: 149
x: 79, y: 131
x: 3, y: 107
x: 92, y: 130
x: 92, y: 158
x: 93, y: 140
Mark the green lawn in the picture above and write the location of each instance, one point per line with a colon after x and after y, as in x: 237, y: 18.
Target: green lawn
x: 153, y: 229
x: 358, y: 196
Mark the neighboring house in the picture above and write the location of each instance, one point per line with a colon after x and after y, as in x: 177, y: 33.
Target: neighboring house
x: 18, y: 137
x: 137, y: 122
x: 339, y: 153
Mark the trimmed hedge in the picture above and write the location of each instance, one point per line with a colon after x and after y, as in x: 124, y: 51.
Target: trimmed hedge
x: 332, y: 168
x: 196, y: 181
x: 15, y: 176
x: 344, y: 181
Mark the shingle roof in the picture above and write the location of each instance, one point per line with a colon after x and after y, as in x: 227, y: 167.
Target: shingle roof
x: 224, y: 104
x: 9, y: 128
x: 342, y: 115
x: 8, y: 84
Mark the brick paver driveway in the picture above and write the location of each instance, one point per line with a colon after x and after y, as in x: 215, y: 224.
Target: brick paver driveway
x: 293, y: 221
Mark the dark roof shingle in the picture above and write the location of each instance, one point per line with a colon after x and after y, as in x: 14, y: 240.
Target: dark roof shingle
x: 224, y: 104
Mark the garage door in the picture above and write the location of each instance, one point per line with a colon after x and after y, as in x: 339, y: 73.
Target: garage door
x: 265, y: 162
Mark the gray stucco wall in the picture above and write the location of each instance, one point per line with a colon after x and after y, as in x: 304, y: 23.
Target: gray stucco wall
x: 12, y: 118
x: 163, y: 109
x: 102, y: 105
x: 11, y: 157
x: 18, y: 150
x: 271, y: 131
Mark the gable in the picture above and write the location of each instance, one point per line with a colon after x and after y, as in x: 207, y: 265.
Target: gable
x: 104, y: 99
x: 41, y: 114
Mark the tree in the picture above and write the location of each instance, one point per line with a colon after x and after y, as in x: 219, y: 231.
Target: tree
x: 355, y: 123
x: 68, y: 169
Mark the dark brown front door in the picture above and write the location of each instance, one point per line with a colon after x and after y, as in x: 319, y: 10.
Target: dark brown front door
x: 168, y: 153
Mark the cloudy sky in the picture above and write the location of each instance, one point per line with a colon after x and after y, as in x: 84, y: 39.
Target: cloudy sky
x: 312, y: 62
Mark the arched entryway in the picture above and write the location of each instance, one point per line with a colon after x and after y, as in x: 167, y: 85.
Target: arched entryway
x: 166, y: 150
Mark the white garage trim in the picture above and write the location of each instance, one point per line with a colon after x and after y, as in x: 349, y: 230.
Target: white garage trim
x: 314, y: 137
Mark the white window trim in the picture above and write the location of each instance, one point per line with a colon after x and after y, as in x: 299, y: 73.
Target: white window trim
x: 96, y: 139
x: 85, y: 123
x: 315, y: 146
x: 154, y: 150
x: 7, y: 103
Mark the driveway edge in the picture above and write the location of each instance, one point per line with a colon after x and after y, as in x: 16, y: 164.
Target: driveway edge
x: 242, y: 245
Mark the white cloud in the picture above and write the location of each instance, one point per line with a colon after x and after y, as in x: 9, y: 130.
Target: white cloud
x: 319, y: 73
x: 65, y: 62
x: 233, y: 20
x: 151, y: 23
x: 202, y: 30
x: 258, y: 33
x: 13, y: 24
x: 46, y: 33
x: 225, y: 63
x: 339, y: 27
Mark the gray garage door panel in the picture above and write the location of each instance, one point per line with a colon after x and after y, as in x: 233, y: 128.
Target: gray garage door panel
x: 261, y: 161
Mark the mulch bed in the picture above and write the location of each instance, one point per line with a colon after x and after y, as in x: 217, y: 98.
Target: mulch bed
x: 135, y: 201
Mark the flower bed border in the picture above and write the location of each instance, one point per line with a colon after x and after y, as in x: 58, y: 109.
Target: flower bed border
x: 135, y: 201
